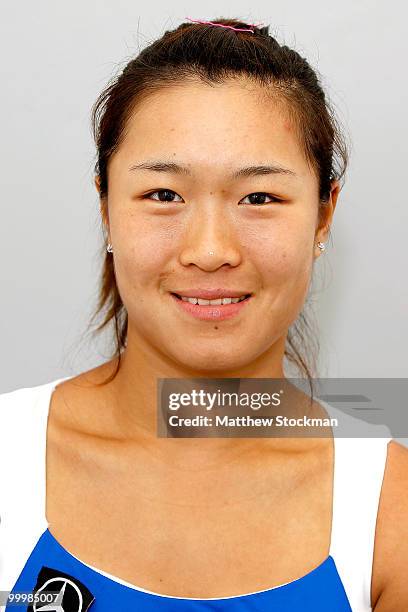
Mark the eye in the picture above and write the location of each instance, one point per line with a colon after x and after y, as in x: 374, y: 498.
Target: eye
x: 259, y: 195
x: 167, y: 193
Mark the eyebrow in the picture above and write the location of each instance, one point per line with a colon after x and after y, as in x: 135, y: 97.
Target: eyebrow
x: 172, y: 167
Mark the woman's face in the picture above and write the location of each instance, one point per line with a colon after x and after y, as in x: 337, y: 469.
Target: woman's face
x: 253, y: 233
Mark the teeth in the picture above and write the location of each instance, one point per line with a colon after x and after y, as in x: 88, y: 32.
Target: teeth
x: 217, y: 302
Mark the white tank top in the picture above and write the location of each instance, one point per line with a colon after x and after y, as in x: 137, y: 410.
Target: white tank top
x: 359, y: 465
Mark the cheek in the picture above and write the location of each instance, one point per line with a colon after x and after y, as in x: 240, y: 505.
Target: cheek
x: 283, y: 260
x: 144, y: 253
x: 282, y: 255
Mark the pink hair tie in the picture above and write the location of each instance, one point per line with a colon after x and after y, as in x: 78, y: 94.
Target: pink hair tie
x: 221, y: 25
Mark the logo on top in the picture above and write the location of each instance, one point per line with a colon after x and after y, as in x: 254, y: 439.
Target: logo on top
x: 71, y: 594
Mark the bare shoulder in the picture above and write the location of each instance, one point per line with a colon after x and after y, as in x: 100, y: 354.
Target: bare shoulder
x: 390, y: 585
x: 75, y: 400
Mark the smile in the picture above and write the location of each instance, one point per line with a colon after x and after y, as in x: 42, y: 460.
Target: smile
x: 206, y: 310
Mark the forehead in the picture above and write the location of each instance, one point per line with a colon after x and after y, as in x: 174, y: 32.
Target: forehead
x: 213, y: 127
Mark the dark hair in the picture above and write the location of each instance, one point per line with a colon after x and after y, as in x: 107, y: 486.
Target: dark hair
x: 214, y: 54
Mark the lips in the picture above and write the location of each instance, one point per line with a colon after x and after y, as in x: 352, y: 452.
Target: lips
x: 242, y: 295
x: 211, y: 312
x: 211, y: 294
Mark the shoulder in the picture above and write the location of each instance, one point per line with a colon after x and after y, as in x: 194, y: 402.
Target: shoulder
x: 391, y: 542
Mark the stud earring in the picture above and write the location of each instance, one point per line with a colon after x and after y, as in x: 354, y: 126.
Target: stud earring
x: 321, y: 246
x: 109, y: 248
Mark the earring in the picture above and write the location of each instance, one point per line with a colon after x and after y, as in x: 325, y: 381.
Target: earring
x: 109, y: 248
x: 321, y: 246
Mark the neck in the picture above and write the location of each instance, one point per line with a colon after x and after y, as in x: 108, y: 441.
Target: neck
x: 134, y: 393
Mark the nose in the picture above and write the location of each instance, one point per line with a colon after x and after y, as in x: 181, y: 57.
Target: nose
x: 210, y: 241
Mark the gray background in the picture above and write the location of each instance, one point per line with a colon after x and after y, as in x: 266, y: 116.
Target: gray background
x: 55, y: 59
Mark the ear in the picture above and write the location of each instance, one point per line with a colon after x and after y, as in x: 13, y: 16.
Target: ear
x: 103, y: 204
x: 327, y: 217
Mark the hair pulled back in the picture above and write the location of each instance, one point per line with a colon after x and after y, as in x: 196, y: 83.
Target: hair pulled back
x: 212, y: 55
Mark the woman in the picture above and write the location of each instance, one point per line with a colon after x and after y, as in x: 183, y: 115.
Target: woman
x: 219, y: 169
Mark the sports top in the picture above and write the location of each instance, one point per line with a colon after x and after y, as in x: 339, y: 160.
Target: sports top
x: 32, y: 560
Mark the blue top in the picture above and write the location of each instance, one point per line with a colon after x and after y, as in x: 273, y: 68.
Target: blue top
x: 51, y: 566
x: 341, y: 583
